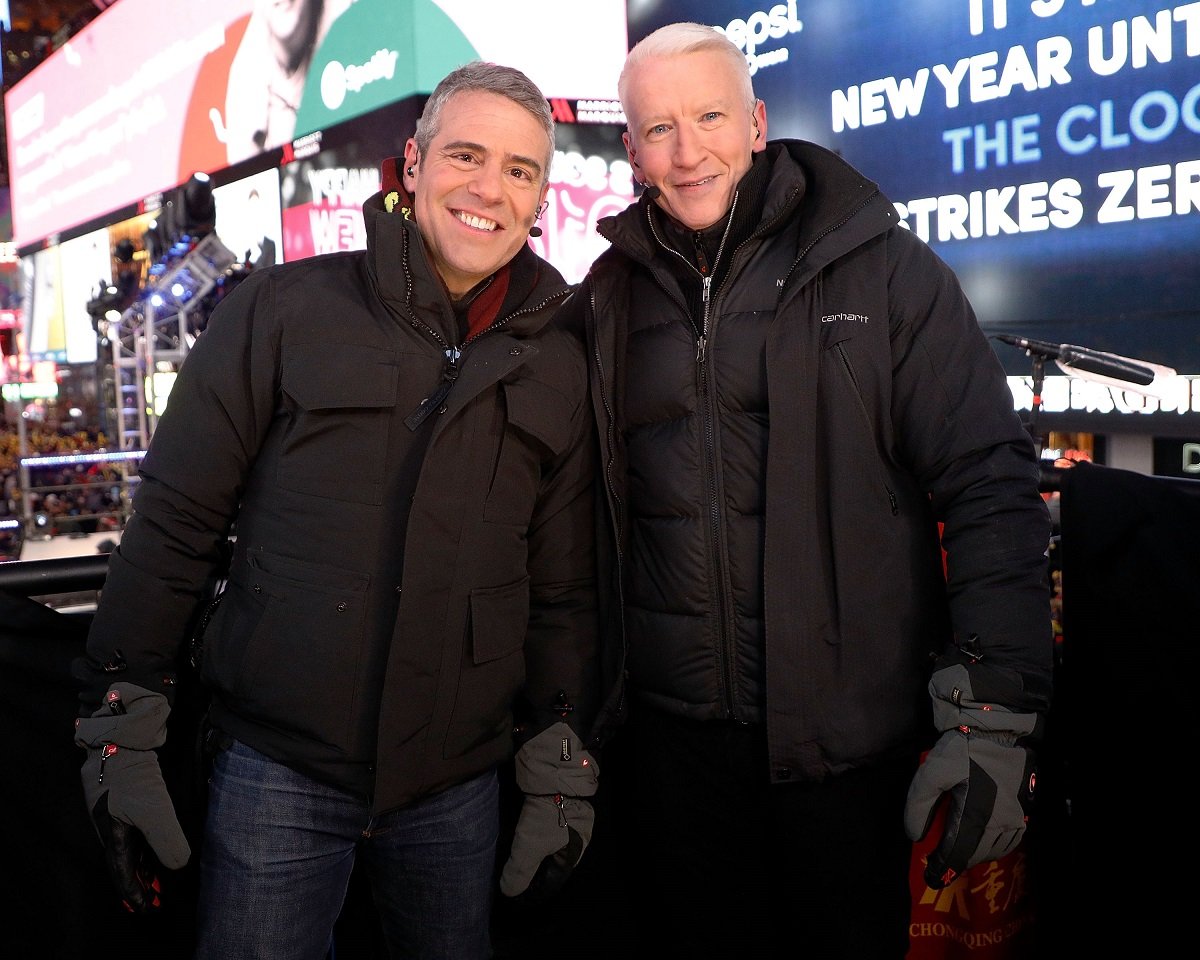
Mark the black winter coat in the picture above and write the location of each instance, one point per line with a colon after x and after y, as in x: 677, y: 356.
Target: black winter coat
x: 792, y: 498
x: 370, y: 639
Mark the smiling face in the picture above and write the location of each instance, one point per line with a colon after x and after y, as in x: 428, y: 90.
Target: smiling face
x: 691, y: 133
x: 477, y: 188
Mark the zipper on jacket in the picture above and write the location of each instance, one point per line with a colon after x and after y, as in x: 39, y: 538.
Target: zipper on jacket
x: 563, y: 295
x: 610, y: 438
x: 705, y: 278
x: 727, y: 635
x: 454, y: 355
x: 432, y: 402
x: 702, y: 340
x: 618, y: 507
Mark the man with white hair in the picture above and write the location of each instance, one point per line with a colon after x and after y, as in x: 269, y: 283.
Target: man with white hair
x: 795, y: 396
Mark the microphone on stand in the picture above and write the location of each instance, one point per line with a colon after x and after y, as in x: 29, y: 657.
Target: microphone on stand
x: 1085, y: 360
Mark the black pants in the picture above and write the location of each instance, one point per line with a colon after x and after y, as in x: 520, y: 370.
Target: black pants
x: 719, y: 862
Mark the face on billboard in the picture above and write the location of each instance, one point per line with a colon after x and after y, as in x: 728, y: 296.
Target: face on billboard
x: 293, y: 27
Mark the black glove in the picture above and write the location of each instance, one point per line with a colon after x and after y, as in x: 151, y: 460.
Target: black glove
x: 125, y: 792
x: 555, y: 773
x: 984, y: 761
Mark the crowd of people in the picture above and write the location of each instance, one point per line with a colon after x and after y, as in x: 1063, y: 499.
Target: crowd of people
x: 63, y: 499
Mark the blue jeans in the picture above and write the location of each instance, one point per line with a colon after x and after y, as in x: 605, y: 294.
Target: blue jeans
x: 279, y: 848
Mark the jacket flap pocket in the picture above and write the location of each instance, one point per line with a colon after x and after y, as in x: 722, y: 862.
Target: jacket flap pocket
x: 540, y: 411
x: 499, y: 619
x: 326, y: 376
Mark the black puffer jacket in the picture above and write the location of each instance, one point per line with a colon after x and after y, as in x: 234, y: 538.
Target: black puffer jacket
x: 395, y: 585
x: 777, y: 468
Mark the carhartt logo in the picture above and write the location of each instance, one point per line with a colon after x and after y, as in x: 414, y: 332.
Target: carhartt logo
x: 853, y: 317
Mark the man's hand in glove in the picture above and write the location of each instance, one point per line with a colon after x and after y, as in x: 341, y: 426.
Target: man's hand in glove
x: 125, y: 792
x: 984, y: 761
x: 554, y: 828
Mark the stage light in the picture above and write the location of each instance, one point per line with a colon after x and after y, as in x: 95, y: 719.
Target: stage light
x: 199, y: 207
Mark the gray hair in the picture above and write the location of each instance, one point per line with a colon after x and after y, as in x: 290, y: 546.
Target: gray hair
x: 677, y: 39
x: 507, y: 82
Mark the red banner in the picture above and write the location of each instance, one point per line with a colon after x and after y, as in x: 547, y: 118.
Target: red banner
x: 986, y: 914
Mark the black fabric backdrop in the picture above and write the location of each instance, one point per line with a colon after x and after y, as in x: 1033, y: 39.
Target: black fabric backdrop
x: 56, y: 902
x: 1124, y: 717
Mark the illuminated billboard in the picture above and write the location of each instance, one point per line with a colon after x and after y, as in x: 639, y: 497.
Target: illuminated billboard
x: 57, y: 284
x: 152, y: 91
x: 248, y: 218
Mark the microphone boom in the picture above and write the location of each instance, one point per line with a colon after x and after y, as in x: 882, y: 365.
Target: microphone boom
x: 1085, y: 360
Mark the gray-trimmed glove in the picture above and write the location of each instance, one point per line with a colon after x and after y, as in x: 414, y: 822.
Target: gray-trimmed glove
x: 555, y: 825
x: 984, y: 761
x: 125, y: 792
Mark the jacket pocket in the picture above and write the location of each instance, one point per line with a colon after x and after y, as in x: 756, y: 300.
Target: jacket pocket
x: 860, y: 405
x: 340, y: 399
x: 537, y: 427
x: 492, y: 669
x: 285, y: 644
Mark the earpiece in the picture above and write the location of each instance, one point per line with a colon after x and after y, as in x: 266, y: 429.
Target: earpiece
x: 536, y: 231
x: 409, y: 171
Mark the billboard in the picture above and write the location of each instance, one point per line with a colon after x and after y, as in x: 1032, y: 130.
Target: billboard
x: 589, y: 179
x: 152, y: 91
x: 248, y: 218
x: 58, y: 283
x: 1048, y: 150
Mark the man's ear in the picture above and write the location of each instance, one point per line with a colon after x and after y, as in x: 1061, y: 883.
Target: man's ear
x: 630, y: 153
x: 411, y: 158
x: 759, y: 114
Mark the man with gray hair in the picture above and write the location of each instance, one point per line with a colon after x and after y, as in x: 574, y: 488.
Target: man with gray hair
x: 400, y: 441
x: 794, y: 395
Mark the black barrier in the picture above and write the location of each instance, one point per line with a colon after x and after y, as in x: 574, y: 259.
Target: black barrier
x: 1125, y: 707
x: 57, y: 901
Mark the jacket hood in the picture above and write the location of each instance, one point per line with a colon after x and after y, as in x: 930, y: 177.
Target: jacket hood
x: 406, y: 281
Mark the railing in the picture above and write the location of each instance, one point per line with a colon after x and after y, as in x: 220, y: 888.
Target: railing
x: 66, y: 584
x: 40, y: 578
x: 41, y: 522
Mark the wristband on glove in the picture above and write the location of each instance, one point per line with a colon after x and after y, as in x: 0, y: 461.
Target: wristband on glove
x: 555, y: 824
x: 125, y: 792
x: 984, y: 761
